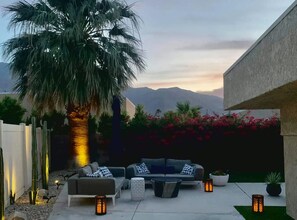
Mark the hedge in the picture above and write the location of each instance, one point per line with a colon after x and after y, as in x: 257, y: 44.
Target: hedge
x: 217, y: 142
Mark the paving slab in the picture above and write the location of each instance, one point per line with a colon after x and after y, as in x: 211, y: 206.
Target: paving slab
x: 186, y: 216
x: 192, y: 203
x: 260, y: 188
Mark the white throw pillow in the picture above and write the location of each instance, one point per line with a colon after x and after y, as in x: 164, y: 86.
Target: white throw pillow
x: 142, y: 169
x: 105, y: 171
x: 187, y: 170
x: 97, y: 173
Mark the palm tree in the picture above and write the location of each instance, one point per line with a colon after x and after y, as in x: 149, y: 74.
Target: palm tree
x: 185, y: 109
x: 73, y: 54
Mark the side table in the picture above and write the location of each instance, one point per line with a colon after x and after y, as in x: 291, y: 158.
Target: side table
x: 137, y: 188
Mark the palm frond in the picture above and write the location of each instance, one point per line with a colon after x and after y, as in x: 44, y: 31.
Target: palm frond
x: 73, y: 52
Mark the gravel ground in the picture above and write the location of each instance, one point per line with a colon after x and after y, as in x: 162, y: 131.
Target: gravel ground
x: 42, y: 209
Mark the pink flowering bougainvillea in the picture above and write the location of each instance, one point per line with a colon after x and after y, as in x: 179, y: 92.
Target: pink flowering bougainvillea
x: 229, y: 141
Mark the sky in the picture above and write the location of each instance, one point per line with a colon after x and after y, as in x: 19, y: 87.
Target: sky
x: 191, y: 43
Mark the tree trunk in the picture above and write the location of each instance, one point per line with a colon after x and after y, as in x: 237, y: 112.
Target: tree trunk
x: 78, y: 121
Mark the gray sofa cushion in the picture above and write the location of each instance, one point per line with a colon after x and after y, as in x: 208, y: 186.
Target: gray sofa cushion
x: 82, y: 172
x: 94, y: 166
x: 99, y: 186
x: 181, y: 176
x: 149, y: 176
x: 177, y: 164
x: 157, y: 162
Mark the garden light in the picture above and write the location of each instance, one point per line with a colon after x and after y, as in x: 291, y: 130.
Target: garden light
x: 100, y: 205
x: 208, y: 185
x: 257, y: 203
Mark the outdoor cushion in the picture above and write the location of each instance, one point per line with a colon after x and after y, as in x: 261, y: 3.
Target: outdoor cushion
x: 182, y: 177
x: 149, y: 176
x: 142, y: 169
x: 105, y: 171
x: 82, y: 172
x: 94, y: 166
x: 187, y: 170
x: 178, y: 164
x: 169, y: 170
x: 97, y: 173
x: 157, y: 169
x: 157, y: 162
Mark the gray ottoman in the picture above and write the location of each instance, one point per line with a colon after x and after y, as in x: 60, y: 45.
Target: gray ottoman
x: 137, y: 188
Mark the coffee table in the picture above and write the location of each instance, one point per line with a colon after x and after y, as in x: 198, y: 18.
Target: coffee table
x: 166, y: 187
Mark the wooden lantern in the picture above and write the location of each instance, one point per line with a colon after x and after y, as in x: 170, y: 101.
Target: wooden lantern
x: 258, y: 203
x: 100, y: 205
x: 208, y: 185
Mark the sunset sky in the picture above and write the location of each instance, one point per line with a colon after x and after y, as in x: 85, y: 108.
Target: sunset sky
x: 191, y: 43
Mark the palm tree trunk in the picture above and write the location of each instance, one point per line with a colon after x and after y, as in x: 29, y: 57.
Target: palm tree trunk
x: 78, y: 122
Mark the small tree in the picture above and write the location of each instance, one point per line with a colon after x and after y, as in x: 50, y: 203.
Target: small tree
x: 140, y: 117
x: 11, y: 111
x: 185, y: 109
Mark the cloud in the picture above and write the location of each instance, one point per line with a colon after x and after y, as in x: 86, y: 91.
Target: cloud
x: 220, y: 45
x: 216, y: 92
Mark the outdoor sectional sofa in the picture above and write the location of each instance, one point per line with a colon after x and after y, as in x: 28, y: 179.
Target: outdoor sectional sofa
x: 80, y: 185
x: 162, y: 167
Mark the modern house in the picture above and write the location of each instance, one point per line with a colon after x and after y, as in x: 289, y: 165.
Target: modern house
x: 265, y: 77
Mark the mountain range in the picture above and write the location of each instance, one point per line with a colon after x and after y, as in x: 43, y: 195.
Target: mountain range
x: 164, y: 99
x: 6, y: 83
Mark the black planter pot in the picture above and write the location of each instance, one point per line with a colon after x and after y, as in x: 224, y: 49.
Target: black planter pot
x: 273, y: 189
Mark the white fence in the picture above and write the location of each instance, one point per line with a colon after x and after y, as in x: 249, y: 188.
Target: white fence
x: 16, y: 143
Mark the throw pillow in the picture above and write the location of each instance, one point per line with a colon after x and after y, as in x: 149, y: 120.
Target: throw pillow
x: 155, y: 169
x: 105, y: 171
x: 142, y: 169
x: 82, y: 172
x: 97, y: 173
x: 187, y: 170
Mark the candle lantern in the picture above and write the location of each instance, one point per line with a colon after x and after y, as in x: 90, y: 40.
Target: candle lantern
x: 100, y: 205
x: 258, y: 203
x: 208, y: 185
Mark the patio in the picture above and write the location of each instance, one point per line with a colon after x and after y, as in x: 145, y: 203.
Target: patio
x: 191, y: 203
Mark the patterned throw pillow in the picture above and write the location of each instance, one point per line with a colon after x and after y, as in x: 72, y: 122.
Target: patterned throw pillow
x: 97, y: 173
x: 187, y: 170
x: 105, y: 171
x: 142, y: 169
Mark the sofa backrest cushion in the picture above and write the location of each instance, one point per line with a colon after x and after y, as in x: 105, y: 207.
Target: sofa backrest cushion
x: 82, y: 172
x: 157, y: 162
x: 157, y: 169
x: 94, y: 166
x: 169, y: 170
x: 177, y: 164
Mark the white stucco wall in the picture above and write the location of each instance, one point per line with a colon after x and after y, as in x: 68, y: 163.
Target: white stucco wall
x: 265, y: 76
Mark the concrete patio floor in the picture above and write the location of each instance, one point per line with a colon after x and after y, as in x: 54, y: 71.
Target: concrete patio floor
x: 191, y: 204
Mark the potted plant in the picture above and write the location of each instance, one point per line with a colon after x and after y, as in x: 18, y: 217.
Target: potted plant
x: 219, y: 177
x: 273, y: 183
